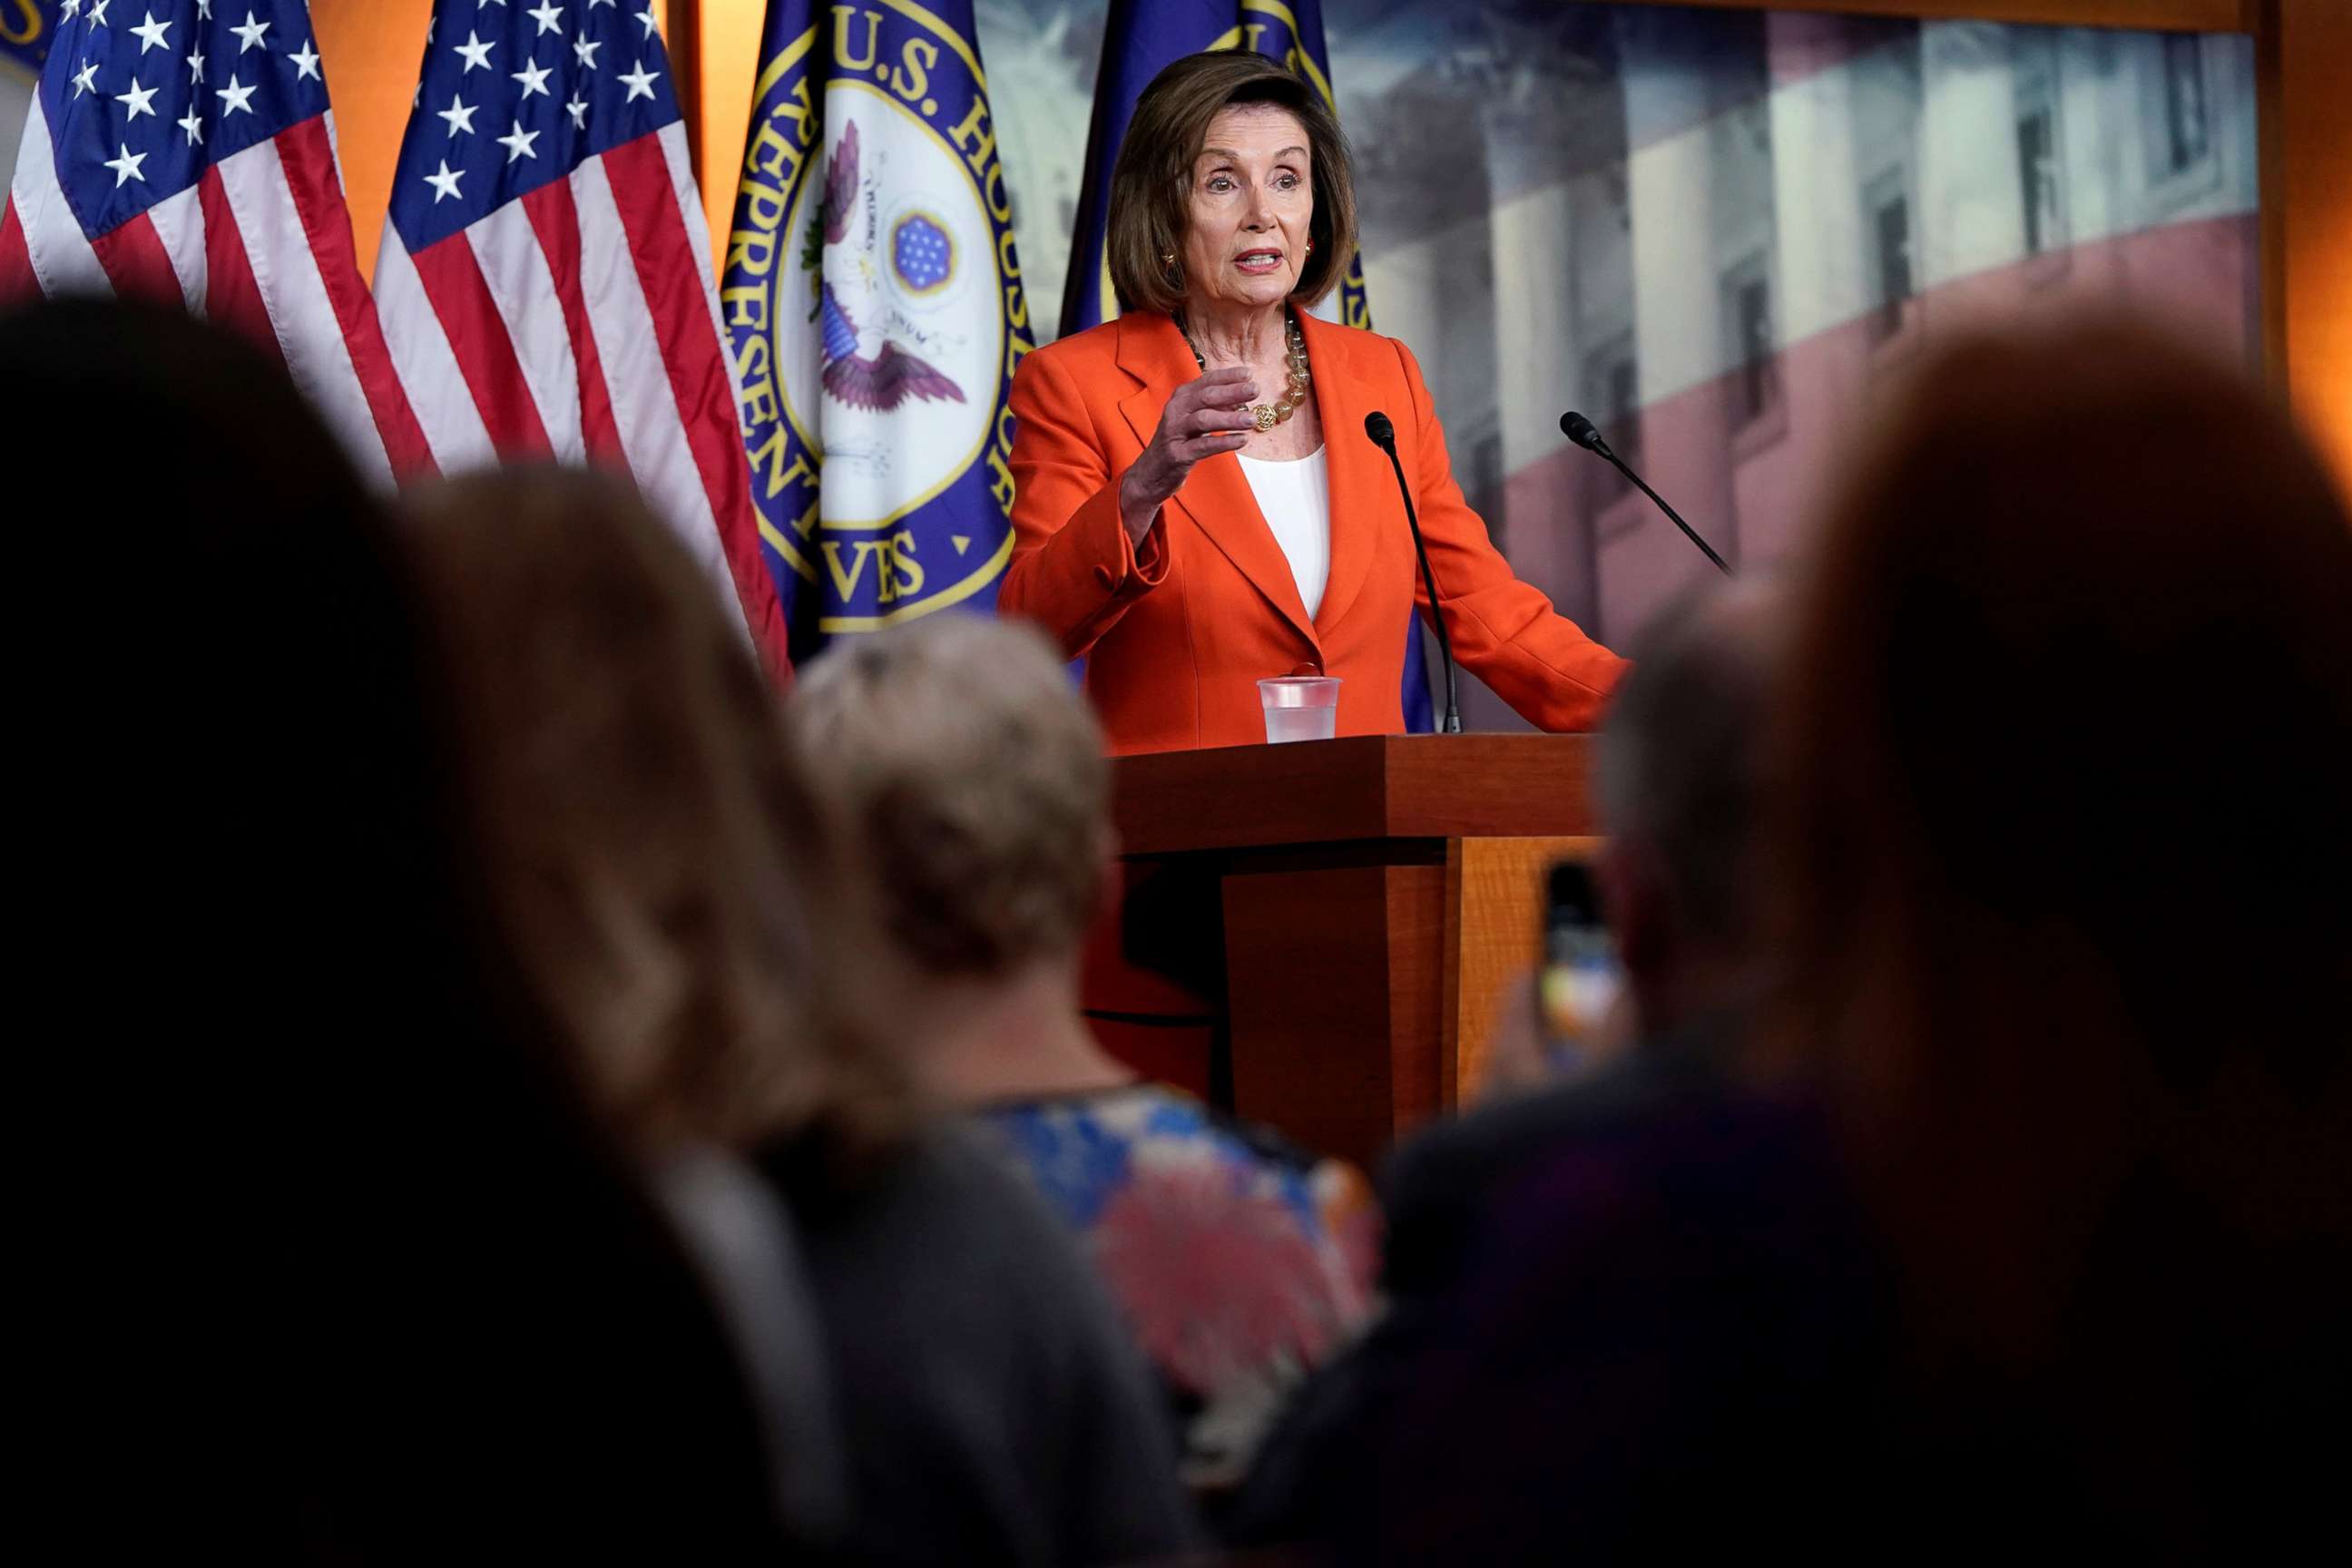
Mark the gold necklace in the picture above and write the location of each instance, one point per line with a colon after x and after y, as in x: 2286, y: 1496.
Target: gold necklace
x: 1269, y: 415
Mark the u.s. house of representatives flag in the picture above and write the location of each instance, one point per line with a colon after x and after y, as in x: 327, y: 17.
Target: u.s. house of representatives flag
x: 183, y: 149
x: 872, y: 301
x: 545, y: 279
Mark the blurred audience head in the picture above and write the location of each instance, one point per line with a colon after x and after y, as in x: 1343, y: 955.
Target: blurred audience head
x: 658, y: 862
x: 1681, y: 788
x: 974, y: 780
x: 2065, y: 857
x: 344, y: 1267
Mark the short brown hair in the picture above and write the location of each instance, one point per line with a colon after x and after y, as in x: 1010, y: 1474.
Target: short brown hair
x: 2063, y: 848
x: 1152, y: 181
x: 665, y: 873
x: 974, y: 774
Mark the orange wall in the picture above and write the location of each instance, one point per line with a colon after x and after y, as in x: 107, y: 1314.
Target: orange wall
x: 2309, y: 179
x: 731, y: 66
x: 370, y: 50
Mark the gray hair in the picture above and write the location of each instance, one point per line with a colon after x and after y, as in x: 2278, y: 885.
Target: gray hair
x: 1682, y: 755
x: 965, y: 760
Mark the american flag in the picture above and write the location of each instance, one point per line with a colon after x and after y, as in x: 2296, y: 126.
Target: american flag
x: 185, y: 150
x: 545, y: 279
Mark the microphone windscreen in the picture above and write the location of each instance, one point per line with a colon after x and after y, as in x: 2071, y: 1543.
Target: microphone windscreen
x: 1580, y: 429
x: 1377, y: 426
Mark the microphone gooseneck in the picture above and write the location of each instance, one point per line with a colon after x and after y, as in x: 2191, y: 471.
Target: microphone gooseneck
x: 1585, y: 433
x: 1383, y: 436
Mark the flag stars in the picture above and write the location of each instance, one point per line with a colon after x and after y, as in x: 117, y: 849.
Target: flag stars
x: 578, y: 110
x: 640, y: 82
x: 196, y: 66
x: 549, y: 18
x: 193, y: 125
x: 236, y: 97
x: 646, y: 17
x: 86, y: 78
x: 142, y: 101
x: 521, y: 143
x: 445, y: 184
x: 306, y: 63
x: 203, y: 10
x: 248, y: 36
x: 459, y: 114
x: 98, y: 13
x: 585, y: 47
x: 476, y: 52
x: 126, y: 168
x: 533, y: 78
x: 151, y: 35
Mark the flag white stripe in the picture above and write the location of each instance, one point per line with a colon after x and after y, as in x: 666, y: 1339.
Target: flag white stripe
x: 522, y: 286
x: 653, y: 434
x: 180, y: 224
x: 698, y: 234
x: 62, y: 258
x: 295, y: 293
x: 429, y: 367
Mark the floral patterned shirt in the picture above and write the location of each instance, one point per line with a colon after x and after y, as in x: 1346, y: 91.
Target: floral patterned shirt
x: 1241, y: 1262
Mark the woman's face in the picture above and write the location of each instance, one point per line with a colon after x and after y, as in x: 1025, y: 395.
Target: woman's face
x: 1253, y: 195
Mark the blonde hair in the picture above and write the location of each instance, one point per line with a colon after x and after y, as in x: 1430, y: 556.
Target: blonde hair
x: 1151, y: 181
x: 973, y: 774
x: 658, y: 862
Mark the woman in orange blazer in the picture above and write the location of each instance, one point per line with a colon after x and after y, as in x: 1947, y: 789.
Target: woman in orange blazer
x: 1147, y: 457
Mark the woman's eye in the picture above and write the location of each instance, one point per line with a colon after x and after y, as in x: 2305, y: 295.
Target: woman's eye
x: 1220, y: 184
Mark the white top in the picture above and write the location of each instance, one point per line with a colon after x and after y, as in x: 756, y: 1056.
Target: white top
x: 1296, y: 498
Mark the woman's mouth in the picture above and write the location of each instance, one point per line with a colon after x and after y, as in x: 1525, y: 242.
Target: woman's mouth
x: 1259, y: 261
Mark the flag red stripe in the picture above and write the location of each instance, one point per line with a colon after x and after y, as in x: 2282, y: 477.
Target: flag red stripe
x: 699, y: 376
x: 555, y: 219
x: 461, y: 297
x: 136, y: 262
x: 17, y: 280
x: 309, y: 160
x: 232, y: 293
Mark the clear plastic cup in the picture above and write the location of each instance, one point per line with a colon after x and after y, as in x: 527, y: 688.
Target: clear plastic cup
x: 1300, y: 707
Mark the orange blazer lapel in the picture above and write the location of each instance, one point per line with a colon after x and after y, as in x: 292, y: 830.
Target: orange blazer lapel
x: 1363, y: 492
x: 1216, y: 495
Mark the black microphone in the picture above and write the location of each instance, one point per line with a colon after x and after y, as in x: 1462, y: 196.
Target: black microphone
x: 1582, y: 431
x: 1383, y: 434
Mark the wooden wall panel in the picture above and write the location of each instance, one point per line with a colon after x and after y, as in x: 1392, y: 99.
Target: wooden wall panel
x: 2186, y: 16
x: 2306, y: 67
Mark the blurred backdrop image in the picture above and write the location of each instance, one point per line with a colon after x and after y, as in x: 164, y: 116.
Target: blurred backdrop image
x: 1712, y: 231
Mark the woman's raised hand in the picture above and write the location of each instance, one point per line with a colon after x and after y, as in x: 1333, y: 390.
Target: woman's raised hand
x: 1208, y: 415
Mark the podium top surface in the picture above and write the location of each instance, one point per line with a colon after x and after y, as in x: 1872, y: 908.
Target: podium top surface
x: 1363, y: 787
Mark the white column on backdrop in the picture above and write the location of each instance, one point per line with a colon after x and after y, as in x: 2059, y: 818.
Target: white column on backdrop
x: 1686, y: 439
x: 1971, y: 200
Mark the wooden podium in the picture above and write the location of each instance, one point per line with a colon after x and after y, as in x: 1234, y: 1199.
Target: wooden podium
x: 1335, y: 919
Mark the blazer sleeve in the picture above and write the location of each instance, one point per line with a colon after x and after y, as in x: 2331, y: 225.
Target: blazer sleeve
x: 1505, y: 631
x: 1074, y: 569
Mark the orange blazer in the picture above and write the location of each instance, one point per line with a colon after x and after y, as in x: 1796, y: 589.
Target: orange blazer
x: 1177, y: 631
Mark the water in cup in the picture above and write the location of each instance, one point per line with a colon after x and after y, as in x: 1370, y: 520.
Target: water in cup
x: 1300, y: 707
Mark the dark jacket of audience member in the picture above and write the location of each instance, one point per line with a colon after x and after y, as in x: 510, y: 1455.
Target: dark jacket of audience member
x: 2058, y: 855
x: 1682, y: 762
x: 680, y: 896
x: 330, y: 1261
